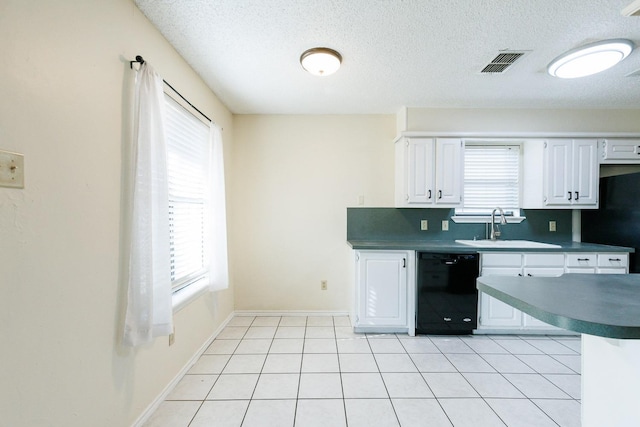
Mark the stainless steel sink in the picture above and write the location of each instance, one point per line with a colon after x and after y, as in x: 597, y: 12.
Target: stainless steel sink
x: 523, y: 244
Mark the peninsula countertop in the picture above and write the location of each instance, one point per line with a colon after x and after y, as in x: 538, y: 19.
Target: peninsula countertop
x: 606, y: 305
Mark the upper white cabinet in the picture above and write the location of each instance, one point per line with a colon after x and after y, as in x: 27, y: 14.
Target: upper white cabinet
x: 619, y: 151
x: 571, y: 173
x: 429, y: 172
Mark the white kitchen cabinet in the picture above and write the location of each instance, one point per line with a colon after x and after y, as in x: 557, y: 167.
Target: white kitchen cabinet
x: 619, y: 151
x: 541, y: 265
x: 429, y: 172
x: 581, y: 262
x: 613, y: 263
x: 571, y: 173
x: 449, y: 171
x: 385, y: 289
x: 494, y: 313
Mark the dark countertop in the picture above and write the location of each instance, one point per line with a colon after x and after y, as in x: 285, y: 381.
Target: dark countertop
x: 452, y: 246
x: 606, y: 305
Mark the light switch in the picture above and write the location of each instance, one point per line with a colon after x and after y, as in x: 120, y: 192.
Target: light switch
x: 11, y: 169
x: 552, y: 226
x: 445, y: 225
x: 424, y: 225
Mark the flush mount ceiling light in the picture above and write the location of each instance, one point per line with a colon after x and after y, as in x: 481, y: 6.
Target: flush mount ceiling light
x: 321, y: 61
x: 590, y: 59
x: 632, y: 10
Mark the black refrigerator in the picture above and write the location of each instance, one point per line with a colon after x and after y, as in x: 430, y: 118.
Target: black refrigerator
x: 617, y: 221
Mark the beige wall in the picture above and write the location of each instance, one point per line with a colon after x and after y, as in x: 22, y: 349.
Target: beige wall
x: 294, y: 177
x: 65, y: 88
x: 518, y: 120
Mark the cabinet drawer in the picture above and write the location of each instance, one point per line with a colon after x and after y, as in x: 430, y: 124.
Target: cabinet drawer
x: 502, y: 260
x: 544, y: 260
x: 613, y: 260
x: 581, y: 260
x: 501, y: 271
x: 544, y: 272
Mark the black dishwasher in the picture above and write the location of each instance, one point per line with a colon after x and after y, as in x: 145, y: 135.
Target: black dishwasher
x: 447, y: 298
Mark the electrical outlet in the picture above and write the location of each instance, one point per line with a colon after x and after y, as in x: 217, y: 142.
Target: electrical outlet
x: 172, y: 337
x: 445, y: 225
x: 361, y: 200
x: 323, y: 285
x: 552, y: 226
x: 424, y: 225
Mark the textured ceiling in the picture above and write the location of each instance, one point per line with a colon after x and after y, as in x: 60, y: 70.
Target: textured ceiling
x: 414, y: 53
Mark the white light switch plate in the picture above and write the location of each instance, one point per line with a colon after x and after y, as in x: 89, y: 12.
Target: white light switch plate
x: 11, y: 169
x: 445, y: 225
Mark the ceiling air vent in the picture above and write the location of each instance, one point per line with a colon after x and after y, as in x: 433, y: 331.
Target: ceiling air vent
x: 500, y: 63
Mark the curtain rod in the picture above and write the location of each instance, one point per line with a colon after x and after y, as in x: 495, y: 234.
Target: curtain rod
x: 140, y: 60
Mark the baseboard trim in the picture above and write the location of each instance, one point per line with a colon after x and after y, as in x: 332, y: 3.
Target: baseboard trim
x: 290, y: 313
x: 148, y: 412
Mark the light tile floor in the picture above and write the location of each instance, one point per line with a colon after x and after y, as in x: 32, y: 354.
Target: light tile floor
x: 314, y: 371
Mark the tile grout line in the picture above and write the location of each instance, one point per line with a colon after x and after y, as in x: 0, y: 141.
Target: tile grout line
x: 404, y: 351
x: 526, y: 397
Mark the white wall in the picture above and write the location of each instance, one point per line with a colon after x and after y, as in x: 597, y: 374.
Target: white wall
x: 65, y: 88
x: 294, y: 177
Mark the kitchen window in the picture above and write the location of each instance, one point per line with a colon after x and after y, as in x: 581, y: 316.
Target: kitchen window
x: 492, y: 178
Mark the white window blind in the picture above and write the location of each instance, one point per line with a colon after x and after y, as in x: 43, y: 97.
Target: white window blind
x: 187, y: 164
x: 491, y: 177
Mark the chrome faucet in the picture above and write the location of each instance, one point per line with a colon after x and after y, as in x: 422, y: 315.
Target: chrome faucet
x: 495, y: 231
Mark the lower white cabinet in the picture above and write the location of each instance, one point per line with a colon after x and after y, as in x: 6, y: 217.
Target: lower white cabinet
x: 496, y: 315
x: 385, y: 289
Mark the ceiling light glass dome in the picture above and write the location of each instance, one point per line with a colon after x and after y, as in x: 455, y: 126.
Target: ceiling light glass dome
x: 321, y: 61
x: 590, y: 59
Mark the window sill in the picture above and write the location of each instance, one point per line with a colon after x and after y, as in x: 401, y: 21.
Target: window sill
x: 180, y: 299
x: 482, y: 219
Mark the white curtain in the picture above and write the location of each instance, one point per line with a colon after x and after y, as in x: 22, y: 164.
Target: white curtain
x: 149, y: 309
x: 216, y: 237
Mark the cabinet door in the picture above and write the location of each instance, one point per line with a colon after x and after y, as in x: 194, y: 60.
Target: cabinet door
x: 558, y: 174
x: 585, y: 172
x: 495, y: 313
x: 449, y: 171
x: 382, y: 289
x: 420, y: 186
x: 529, y: 321
x: 620, y: 151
